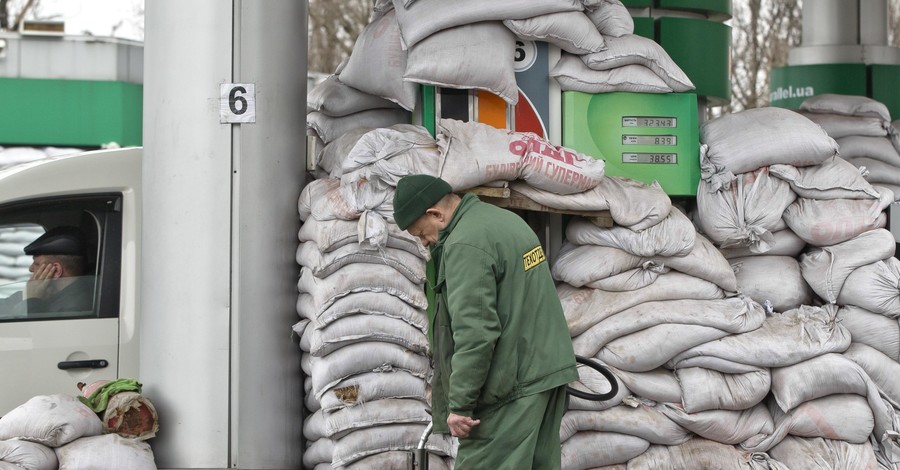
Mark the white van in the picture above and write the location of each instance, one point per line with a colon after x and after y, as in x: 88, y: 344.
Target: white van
x: 46, y: 350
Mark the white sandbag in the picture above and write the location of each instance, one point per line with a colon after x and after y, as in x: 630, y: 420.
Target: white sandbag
x: 630, y: 280
x: 16, y: 454
x: 874, y: 330
x: 361, y: 358
x: 588, y: 449
x: 571, y: 31
x: 674, y: 236
x: 784, y: 339
x: 395, y: 459
x: 370, y: 195
x: 592, y: 381
x: 321, y: 199
x: 652, y: 347
x: 877, y: 148
x: 359, y: 278
x: 830, y: 222
x: 847, y: 105
x: 318, y: 452
x: 366, y: 328
x: 750, y: 139
x: 884, y: 371
x: 378, y: 61
x: 51, y: 420
x: 314, y: 426
x: 773, y: 279
x: 309, y: 400
x: 329, y: 128
x: 839, y: 125
x: 734, y: 315
x: 834, y: 179
x: 826, y: 269
x: 706, y: 389
x: 331, y: 157
x: 704, y: 261
x: 894, y: 188
x: 700, y: 453
x: 642, y: 421
x: 585, y: 307
x: 610, y: 17
x: 573, y: 74
x: 842, y: 417
x: 372, y: 386
x: 325, y: 264
x: 816, y: 453
x: 744, y: 212
x: 330, y: 235
x: 874, y: 287
x: 634, y: 49
x: 784, y: 243
x: 631, y: 203
x: 365, y: 303
x: 724, y: 426
x: 479, y: 55
x: 376, y: 413
x: 423, y: 18
x: 391, y: 153
x: 578, y: 265
x: 659, y: 385
x: 335, y: 98
x: 369, y: 441
x: 876, y: 171
x: 815, y: 378
x: 106, y: 451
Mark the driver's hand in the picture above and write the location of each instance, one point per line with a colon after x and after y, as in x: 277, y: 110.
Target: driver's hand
x: 40, y: 281
x: 460, y: 426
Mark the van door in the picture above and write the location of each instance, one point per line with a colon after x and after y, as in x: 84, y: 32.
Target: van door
x: 59, y: 295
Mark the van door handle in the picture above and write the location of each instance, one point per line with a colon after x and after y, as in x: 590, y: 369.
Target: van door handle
x: 89, y: 364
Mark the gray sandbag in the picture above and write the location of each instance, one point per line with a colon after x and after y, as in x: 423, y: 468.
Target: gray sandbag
x: 874, y: 287
x: 783, y: 243
x: 884, y: 371
x: 592, y: 381
x: 706, y: 389
x: 325, y: 264
x: 332, y: 155
x: 846, y: 105
x: 587, y: 449
x: 700, y: 453
x: 373, y: 386
x: 370, y: 441
x: 389, y: 154
x: 585, y: 307
x: 573, y: 74
x: 643, y: 420
x: 314, y: 426
x: 634, y: 49
x: 836, y: 178
x: 366, y: 328
x: 747, y: 140
x: 571, y: 31
x: 611, y: 17
x: 659, y: 385
x: 318, y: 452
x: 330, y: 235
x: 784, y: 339
x: 724, y: 426
x: 775, y: 280
x: 877, y: 172
x: 631, y: 203
x: 321, y: 199
x: 817, y: 377
x: 360, y: 358
x: 829, y: 222
x: 826, y: 269
x: 839, y: 125
x: 877, y: 148
x: 675, y: 235
x: 423, y: 18
x: 872, y: 329
x: 363, y: 303
x: 395, y: 459
x: 378, y: 62
x: 652, y: 347
x: 734, y: 315
x: 479, y: 55
x: 51, y: 420
x: 335, y: 98
x: 744, y: 211
x: 816, y: 453
x: 578, y: 265
x: 359, y: 278
x: 16, y: 454
x: 340, y: 422
x: 329, y: 128
x: 106, y: 451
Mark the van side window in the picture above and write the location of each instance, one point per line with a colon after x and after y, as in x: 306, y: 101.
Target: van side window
x: 60, y: 258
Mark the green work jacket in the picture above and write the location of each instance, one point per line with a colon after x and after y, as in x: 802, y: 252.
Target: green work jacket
x: 498, y: 331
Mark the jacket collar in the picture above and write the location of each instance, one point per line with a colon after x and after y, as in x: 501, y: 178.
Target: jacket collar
x: 468, y: 200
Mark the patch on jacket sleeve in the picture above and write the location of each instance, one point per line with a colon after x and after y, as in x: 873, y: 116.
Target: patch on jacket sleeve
x: 533, y: 257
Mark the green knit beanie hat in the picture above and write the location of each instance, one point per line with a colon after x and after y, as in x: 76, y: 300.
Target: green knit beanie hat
x: 414, y: 195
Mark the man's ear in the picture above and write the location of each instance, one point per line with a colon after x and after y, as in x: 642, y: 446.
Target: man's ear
x: 57, y: 270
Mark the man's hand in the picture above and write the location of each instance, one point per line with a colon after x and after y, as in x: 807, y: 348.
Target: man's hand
x: 40, y: 281
x: 460, y: 426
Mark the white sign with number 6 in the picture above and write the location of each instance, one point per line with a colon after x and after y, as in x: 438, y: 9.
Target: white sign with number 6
x: 237, y: 102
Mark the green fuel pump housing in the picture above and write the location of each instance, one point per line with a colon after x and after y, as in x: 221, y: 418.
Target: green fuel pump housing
x: 644, y: 136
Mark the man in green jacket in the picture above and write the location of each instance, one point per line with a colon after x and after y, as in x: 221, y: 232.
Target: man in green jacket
x: 501, y: 348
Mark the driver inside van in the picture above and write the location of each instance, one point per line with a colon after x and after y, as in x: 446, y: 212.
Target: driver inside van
x: 57, y: 283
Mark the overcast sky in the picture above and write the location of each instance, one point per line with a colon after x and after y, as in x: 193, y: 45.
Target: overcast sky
x: 99, y: 17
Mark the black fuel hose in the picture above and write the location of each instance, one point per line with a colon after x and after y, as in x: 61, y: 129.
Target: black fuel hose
x: 613, y: 383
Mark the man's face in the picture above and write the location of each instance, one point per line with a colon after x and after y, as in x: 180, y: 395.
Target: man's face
x: 51, y: 268
x: 426, y: 227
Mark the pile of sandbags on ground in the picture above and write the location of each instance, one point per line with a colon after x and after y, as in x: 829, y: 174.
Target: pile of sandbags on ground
x: 14, y: 263
x: 50, y: 432
x: 11, y: 156
x: 863, y: 130
x: 363, y: 334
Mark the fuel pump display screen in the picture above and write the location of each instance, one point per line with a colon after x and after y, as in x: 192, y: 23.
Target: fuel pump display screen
x: 628, y: 139
x: 671, y: 158
x: 649, y: 121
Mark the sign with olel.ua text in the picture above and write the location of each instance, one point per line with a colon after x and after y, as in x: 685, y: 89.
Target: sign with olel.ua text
x: 237, y: 103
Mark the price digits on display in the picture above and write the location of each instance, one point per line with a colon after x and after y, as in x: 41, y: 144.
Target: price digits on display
x: 649, y: 140
x: 650, y: 158
x: 649, y: 121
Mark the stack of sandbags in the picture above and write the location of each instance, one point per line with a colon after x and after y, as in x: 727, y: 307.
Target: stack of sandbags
x: 11, y: 156
x: 862, y: 127
x: 363, y: 334
x: 14, y: 263
x: 58, y: 431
